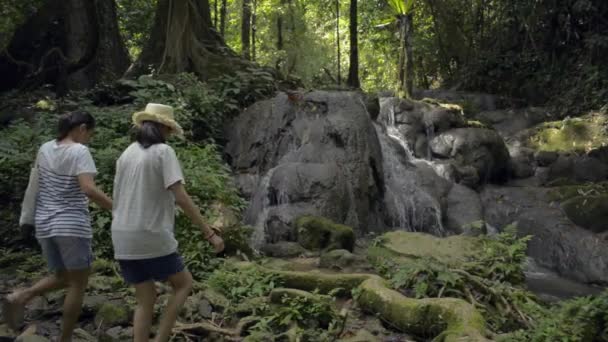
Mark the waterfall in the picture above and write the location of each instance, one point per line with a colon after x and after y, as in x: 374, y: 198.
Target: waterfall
x: 257, y: 213
x: 408, y: 206
x: 429, y: 129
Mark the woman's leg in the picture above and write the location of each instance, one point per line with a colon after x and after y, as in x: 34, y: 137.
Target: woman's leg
x: 182, y: 286
x: 47, y: 284
x: 142, y: 321
x: 76, y: 285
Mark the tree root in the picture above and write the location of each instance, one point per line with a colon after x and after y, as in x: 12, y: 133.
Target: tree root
x: 451, y: 319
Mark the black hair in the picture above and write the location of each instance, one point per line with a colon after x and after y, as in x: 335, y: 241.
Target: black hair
x: 149, y: 133
x: 69, y: 121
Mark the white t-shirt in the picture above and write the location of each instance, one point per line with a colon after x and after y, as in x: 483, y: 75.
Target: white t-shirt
x: 62, y: 209
x: 144, y: 208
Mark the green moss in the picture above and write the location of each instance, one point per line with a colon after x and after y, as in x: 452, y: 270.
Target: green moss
x: 111, y: 314
x: 590, y: 212
x: 571, y: 135
x: 404, y: 246
x: 566, y: 192
x: 450, y: 318
x: 321, y: 233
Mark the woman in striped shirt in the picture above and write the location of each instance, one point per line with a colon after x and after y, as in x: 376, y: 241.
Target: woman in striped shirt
x: 66, y: 183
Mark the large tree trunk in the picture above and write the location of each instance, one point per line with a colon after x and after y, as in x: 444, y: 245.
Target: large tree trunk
x: 353, y: 68
x: 246, y: 30
x: 223, y: 18
x: 183, y: 40
x: 71, y: 44
x: 254, y: 28
x: 338, y: 40
x: 406, y: 56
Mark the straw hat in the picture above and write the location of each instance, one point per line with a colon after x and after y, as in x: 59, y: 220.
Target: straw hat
x: 162, y: 114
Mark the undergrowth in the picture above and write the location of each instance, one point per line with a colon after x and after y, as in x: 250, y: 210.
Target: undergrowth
x: 201, y: 108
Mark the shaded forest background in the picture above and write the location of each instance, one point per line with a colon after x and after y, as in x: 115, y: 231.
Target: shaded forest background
x: 539, y: 51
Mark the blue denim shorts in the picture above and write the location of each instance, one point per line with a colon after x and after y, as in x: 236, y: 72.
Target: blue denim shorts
x: 67, y: 253
x: 155, y: 269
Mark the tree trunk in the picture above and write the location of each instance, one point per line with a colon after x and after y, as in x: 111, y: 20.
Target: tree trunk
x: 409, y: 55
x: 70, y: 44
x: 406, y: 58
x: 215, y: 14
x: 254, y: 28
x: 183, y: 40
x: 223, y: 18
x: 338, y: 39
x: 246, y: 30
x: 353, y: 69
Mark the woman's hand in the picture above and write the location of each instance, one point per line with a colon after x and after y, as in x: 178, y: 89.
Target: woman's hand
x: 217, y: 242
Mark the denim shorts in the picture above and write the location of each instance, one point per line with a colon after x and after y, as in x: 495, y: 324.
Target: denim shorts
x: 66, y: 253
x: 155, y: 269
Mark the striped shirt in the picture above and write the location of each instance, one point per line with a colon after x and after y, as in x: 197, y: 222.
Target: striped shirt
x: 62, y: 209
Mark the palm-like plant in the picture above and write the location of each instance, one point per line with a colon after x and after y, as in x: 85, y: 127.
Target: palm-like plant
x: 402, y: 9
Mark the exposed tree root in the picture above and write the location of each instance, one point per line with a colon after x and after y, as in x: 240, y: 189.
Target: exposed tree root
x: 451, y: 319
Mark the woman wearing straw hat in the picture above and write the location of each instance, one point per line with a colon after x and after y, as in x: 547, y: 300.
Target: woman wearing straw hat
x: 148, y: 183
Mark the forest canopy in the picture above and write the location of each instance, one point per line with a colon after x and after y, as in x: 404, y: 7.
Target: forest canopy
x: 539, y: 51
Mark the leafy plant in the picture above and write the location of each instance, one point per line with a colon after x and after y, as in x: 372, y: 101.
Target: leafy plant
x: 239, y: 284
x: 490, y: 281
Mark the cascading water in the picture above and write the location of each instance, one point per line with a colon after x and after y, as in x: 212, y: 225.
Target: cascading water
x: 257, y: 213
x: 408, y: 207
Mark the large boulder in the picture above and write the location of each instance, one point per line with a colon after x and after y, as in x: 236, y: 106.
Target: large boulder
x: 557, y: 242
x: 482, y: 148
x: 403, y: 246
x: 317, y: 155
x: 321, y: 154
x: 464, y: 211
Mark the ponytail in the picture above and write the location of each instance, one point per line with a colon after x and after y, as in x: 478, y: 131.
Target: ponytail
x: 69, y: 121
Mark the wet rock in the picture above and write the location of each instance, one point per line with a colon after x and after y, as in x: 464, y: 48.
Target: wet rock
x: 283, y: 249
x: 320, y: 233
x: 463, y: 208
x: 557, y: 243
x: 590, y: 212
x: 545, y: 158
x: 325, y: 153
x: 481, y: 148
x: 522, y: 166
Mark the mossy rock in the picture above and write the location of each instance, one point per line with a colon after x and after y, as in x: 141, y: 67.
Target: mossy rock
x: 566, y: 192
x: 316, y: 233
x: 401, y: 246
x: 571, y: 134
x: 112, y: 314
x: 341, y: 259
x: 590, y: 212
